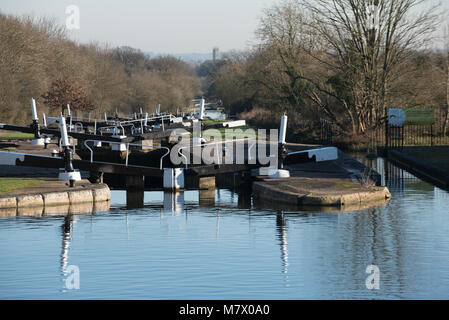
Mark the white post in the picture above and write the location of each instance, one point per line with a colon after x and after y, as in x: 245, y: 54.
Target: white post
x: 202, y: 103
x: 96, y: 143
x: 283, y: 131
x: 69, y: 115
x: 69, y: 173
x: 35, y: 125
x: 158, y: 111
x: 33, y: 110
x: 44, y: 120
x: 47, y: 140
x: 64, y: 136
x: 146, y: 119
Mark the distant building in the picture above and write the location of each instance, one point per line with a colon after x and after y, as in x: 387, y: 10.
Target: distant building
x: 215, y: 54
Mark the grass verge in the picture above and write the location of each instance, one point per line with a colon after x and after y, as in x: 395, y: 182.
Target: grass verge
x: 10, y: 184
x: 16, y: 136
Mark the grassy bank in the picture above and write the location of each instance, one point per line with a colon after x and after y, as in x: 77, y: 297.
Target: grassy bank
x: 10, y: 184
x: 16, y: 136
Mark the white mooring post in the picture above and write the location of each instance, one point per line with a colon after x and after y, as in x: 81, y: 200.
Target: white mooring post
x: 69, y: 174
x: 158, y: 110
x: 35, y: 125
x: 202, y: 106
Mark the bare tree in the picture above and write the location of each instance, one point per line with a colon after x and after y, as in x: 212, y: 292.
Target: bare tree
x: 365, y: 42
x: 67, y: 91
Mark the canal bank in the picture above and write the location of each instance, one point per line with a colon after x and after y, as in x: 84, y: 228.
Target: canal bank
x: 48, y: 193
x: 338, y: 183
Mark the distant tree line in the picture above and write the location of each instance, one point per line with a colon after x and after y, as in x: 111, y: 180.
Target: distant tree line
x: 38, y: 60
x: 334, y: 60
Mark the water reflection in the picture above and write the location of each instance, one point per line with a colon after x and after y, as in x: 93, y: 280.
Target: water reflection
x: 30, y: 212
x: 135, y: 199
x: 281, y: 228
x: 206, y: 198
x: 244, y: 199
x: 238, y: 250
x: 262, y: 204
x: 58, y: 210
x: 396, y: 178
x: 174, y: 202
x: 66, y: 231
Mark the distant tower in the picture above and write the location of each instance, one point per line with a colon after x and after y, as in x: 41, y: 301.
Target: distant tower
x: 215, y: 54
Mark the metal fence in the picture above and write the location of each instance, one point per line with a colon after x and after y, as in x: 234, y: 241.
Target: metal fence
x: 327, y: 132
x: 417, y: 135
x: 394, y: 136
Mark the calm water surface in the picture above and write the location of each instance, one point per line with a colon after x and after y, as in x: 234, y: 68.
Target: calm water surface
x: 182, y: 249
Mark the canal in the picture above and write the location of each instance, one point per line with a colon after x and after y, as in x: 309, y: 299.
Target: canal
x: 232, y: 248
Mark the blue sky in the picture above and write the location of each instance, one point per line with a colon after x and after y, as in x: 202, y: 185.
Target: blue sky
x: 172, y: 26
x: 169, y: 26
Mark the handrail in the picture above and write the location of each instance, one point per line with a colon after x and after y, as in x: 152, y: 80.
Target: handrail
x: 78, y: 124
x: 205, y: 145
x: 127, y: 150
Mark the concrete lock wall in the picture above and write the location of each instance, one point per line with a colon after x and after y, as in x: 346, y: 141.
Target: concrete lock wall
x: 90, y: 196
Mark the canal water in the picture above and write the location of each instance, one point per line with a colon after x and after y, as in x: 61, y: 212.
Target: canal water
x: 231, y: 248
